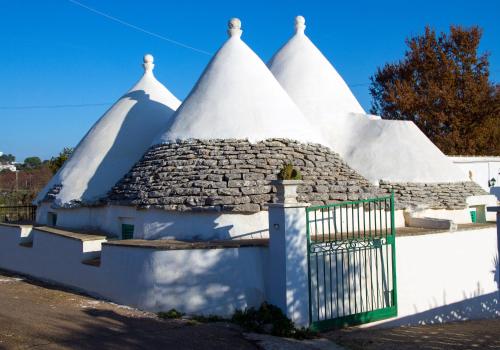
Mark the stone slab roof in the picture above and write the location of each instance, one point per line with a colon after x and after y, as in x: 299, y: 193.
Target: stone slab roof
x: 235, y: 176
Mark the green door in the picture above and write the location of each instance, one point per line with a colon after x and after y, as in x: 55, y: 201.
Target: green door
x: 127, y: 231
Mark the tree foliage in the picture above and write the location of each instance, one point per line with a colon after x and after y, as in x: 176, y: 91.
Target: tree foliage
x: 7, y: 158
x: 32, y: 162
x: 442, y: 85
x: 56, y: 163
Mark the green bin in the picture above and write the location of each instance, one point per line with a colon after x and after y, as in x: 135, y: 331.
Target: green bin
x: 473, y: 216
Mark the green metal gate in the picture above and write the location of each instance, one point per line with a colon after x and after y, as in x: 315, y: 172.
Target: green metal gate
x: 352, y: 262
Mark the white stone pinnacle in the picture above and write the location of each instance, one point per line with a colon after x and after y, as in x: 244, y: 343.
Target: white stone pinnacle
x: 300, y: 24
x: 234, y: 27
x: 148, y: 63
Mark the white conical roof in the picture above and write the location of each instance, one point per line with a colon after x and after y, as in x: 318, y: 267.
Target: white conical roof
x: 237, y: 97
x: 116, y: 141
x: 311, y: 81
x: 378, y: 149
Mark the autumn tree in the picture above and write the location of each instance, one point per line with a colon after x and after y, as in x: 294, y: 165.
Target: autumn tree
x: 442, y: 85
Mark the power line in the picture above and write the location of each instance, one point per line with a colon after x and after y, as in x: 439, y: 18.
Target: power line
x: 56, y: 106
x: 175, y: 42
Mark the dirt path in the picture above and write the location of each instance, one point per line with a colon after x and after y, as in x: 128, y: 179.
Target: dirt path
x: 40, y: 316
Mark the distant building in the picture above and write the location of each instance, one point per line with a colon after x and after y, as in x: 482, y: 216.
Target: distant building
x: 484, y: 170
x: 7, y: 166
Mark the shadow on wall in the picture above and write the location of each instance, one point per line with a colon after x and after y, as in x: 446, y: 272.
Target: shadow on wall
x: 215, y: 281
x: 147, y: 116
x: 479, y: 307
x: 181, y: 227
x: 496, y: 271
x: 476, y: 306
x: 196, y: 226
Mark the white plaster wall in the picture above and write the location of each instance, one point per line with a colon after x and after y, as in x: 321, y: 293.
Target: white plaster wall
x: 203, y: 281
x: 216, y: 281
x: 482, y: 168
x: 52, y: 257
x: 441, y: 277
x: 446, y: 277
x: 157, y: 224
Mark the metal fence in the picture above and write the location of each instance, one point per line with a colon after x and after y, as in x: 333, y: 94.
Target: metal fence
x: 19, y: 213
x: 352, y: 269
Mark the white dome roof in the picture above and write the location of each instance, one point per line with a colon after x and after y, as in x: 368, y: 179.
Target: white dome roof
x: 378, y: 149
x: 116, y: 141
x: 310, y: 80
x: 237, y: 97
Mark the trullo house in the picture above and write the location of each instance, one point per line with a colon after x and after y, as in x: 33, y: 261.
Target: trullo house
x: 394, y: 155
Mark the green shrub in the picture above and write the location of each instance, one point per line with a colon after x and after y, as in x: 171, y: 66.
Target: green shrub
x: 170, y: 314
x: 289, y: 173
x: 269, y: 319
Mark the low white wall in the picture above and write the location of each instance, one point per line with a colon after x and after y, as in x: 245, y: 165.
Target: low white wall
x: 440, y: 277
x: 446, y: 277
x: 52, y: 257
x: 156, y: 224
x: 198, y: 281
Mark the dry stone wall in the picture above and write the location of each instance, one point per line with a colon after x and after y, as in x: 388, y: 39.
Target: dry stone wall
x: 432, y: 195
x: 235, y: 176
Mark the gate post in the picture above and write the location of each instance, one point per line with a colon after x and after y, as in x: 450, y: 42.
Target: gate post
x: 287, y: 275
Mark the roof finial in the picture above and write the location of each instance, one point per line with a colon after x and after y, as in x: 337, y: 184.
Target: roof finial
x: 234, y: 27
x: 300, y: 24
x: 148, y: 63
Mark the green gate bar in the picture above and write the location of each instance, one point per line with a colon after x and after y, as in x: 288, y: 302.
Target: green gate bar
x: 352, y: 262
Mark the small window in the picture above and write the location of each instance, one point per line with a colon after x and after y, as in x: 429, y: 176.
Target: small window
x: 127, y: 231
x: 51, y: 219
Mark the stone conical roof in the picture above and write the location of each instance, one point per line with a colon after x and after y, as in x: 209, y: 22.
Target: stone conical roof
x: 114, y: 143
x: 311, y: 80
x: 237, y: 97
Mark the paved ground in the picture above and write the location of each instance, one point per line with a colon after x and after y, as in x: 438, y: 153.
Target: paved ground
x: 484, y: 334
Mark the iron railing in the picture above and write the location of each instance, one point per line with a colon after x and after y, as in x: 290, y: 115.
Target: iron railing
x: 352, y: 262
x: 19, y: 213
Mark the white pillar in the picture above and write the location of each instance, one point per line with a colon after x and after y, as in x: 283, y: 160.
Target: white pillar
x: 288, y: 282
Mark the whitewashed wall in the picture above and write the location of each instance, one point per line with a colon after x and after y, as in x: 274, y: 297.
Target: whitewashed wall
x: 155, y: 224
x: 161, y: 224
x: 198, y: 281
x: 482, y: 168
x: 446, y: 277
x: 440, y: 277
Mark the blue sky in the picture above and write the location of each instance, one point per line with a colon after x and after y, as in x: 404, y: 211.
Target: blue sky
x: 57, y: 53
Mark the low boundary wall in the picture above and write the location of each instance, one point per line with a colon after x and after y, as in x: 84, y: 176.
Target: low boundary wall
x: 441, y: 277
x: 446, y: 277
x: 198, y: 281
